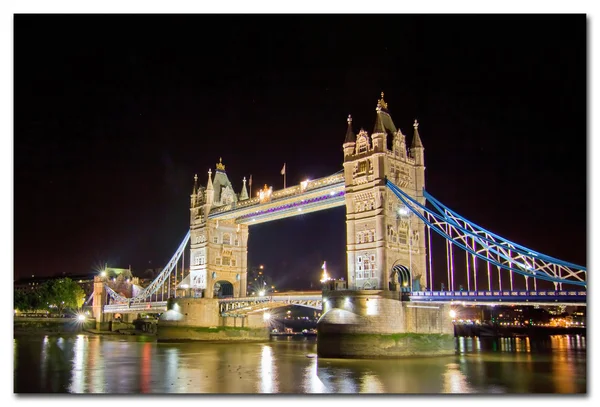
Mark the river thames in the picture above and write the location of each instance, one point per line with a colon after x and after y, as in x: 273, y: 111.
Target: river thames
x: 135, y: 364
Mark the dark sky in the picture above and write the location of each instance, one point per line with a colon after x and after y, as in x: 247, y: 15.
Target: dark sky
x: 115, y: 114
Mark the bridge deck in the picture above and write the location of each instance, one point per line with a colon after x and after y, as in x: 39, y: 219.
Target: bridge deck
x: 313, y: 299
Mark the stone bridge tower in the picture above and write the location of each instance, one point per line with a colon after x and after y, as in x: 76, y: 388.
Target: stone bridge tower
x: 218, y: 249
x: 385, y: 242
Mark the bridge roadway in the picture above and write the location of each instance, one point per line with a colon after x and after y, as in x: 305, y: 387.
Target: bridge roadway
x: 306, y: 197
x: 313, y: 299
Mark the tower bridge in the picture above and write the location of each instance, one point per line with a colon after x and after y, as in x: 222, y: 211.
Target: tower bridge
x: 390, y: 217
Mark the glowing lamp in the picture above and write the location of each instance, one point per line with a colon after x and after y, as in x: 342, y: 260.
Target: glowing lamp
x: 81, y: 317
x: 452, y: 314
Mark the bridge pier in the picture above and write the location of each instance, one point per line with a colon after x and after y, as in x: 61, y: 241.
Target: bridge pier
x: 378, y: 324
x: 199, y: 319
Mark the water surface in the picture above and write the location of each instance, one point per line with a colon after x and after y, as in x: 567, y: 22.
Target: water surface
x: 126, y: 364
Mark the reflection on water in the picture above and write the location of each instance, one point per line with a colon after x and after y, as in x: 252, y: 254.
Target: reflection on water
x: 113, y: 364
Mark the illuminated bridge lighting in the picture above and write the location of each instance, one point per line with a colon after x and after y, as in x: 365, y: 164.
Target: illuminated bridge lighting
x: 304, y: 202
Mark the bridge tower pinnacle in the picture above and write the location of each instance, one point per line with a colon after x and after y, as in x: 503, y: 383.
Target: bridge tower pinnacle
x: 382, y: 238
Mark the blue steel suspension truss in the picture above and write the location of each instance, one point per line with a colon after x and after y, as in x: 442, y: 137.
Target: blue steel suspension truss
x: 493, y: 249
x: 158, y: 281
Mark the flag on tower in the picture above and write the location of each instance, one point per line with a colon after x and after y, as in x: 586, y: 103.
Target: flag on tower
x: 324, y: 266
x: 283, y: 173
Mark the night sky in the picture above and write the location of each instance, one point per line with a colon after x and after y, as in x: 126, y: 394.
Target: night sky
x: 113, y: 116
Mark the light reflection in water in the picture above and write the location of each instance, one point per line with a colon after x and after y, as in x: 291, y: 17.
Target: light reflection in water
x: 79, y: 365
x: 96, y: 365
x: 44, y: 359
x: 311, y: 382
x: 454, y: 380
x: 561, y: 366
x: 371, y: 384
x: 146, y: 367
x: 172, y: 355
x: 268, y: 375
x: 112, y: 365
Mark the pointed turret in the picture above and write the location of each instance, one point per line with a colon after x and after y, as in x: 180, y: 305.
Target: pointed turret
x: 416, y: 141
x: 210, y: 194
x: 193, y: 196
x: 417, y: 149
x: 244, y: 193
x: 378, y: 128
x: 350, y: 140
x: 209, y: 185
x: 350, y: 136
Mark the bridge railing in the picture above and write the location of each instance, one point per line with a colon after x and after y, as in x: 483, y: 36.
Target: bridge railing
x: 136, y: 307
x: 500, y: 295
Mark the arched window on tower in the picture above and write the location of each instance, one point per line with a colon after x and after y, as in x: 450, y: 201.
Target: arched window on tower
x: 362, y: 145
x: 363, y: 166
x: 402, y: 236
x: 367, y: 265
x: 226, y: 238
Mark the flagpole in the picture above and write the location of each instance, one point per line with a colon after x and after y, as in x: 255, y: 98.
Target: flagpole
x: 284, y: 173
x: 250, y: 185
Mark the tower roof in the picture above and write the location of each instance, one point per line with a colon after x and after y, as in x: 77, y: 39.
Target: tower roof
x: 416, y: 141
x: 383, y: 122
x: 221, y: 182
x: 350, y: 136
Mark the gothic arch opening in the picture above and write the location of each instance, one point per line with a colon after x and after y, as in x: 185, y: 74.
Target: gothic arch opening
x: 223, y: 289
x: 402, y: 275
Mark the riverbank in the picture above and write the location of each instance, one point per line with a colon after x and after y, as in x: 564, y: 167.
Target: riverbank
x: 514, y: 331
x: 67, y: 326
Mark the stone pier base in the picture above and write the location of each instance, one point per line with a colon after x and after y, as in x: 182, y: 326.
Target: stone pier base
x: 198, y: 319
x: 182, y: 333
x: 377, y: 324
